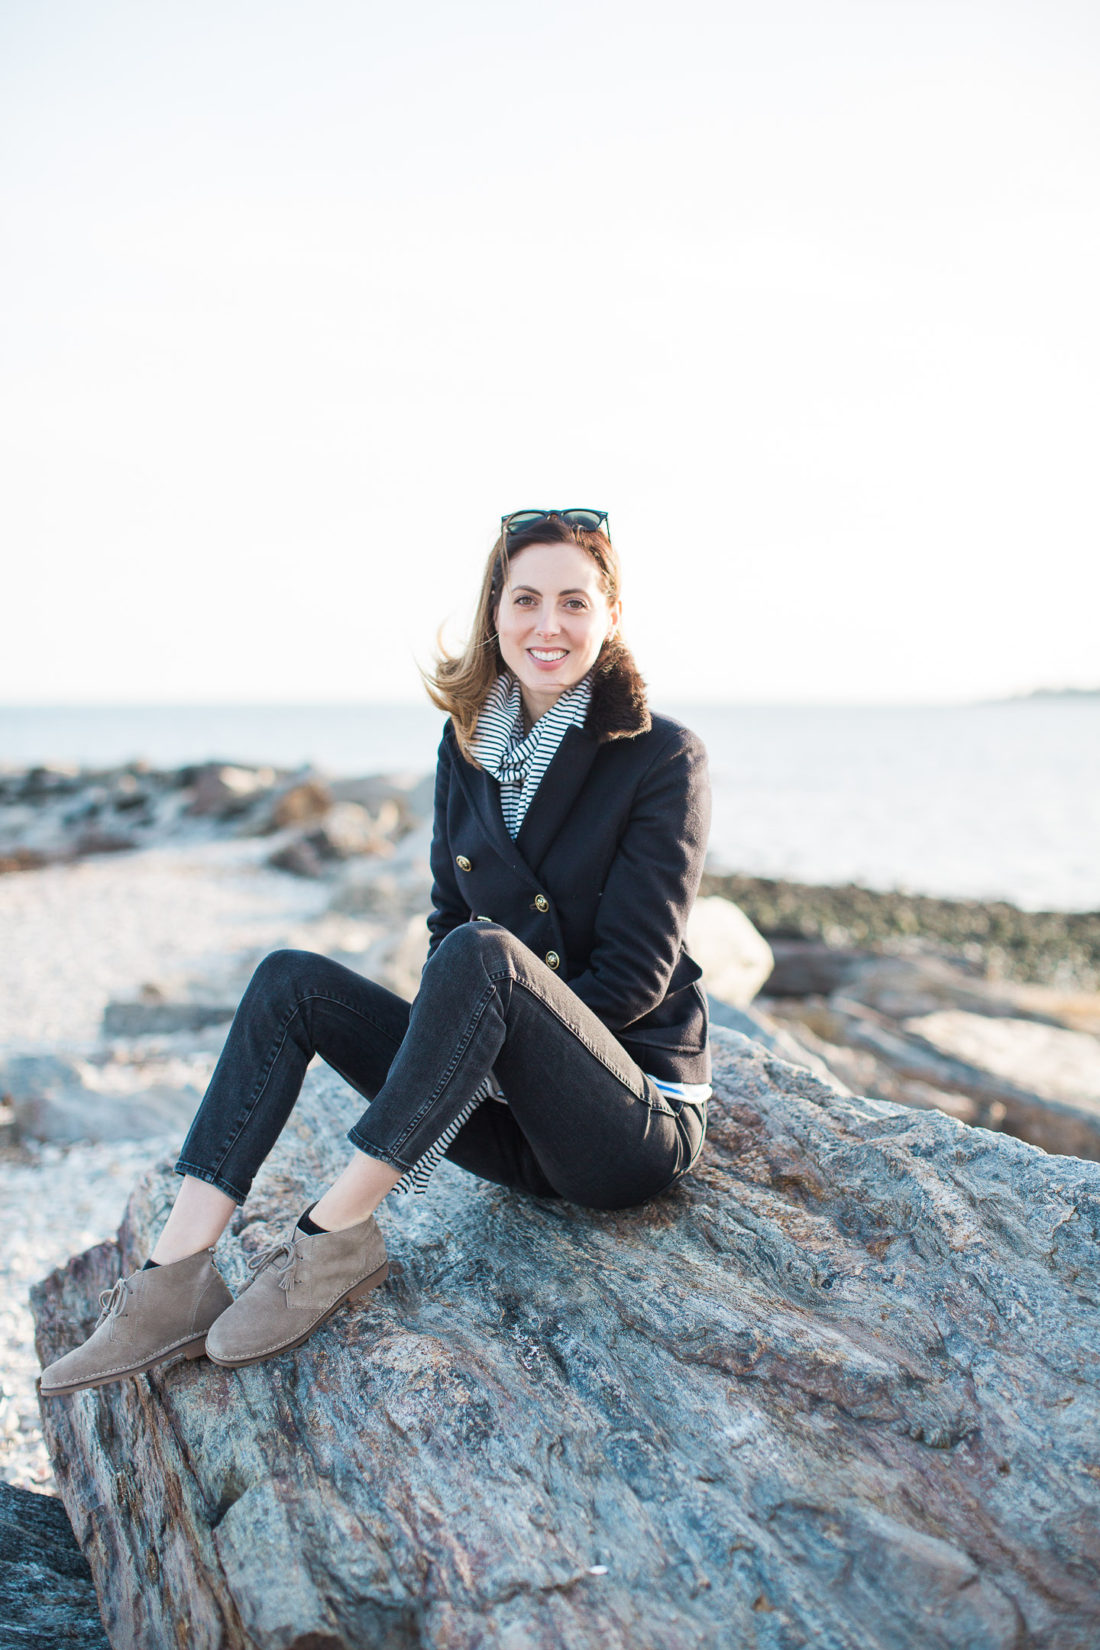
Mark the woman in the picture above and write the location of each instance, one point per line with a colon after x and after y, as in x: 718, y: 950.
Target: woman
x: 558, y: 1040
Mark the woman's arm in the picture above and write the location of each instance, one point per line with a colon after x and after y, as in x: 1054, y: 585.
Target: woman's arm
x: 650, y: 888
x: 449, y: 908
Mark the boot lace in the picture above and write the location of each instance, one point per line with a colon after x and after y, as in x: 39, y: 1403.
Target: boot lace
x: 112, y: 1301
x: 271, y: 1256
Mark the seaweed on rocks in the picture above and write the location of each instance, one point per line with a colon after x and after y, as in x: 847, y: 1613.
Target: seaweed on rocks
x: 997, y: 939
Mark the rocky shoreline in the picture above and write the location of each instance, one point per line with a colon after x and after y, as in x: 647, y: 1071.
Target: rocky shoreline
x: 59, y: 813
x: 138, y: 901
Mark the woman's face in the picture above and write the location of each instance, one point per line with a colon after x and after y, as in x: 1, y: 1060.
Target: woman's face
x: 552, y: 620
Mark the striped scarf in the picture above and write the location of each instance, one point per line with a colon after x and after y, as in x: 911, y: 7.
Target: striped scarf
x: 516, y: 759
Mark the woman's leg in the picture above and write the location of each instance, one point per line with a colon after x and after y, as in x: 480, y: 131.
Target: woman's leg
x: 593, y: 1129
x: 596, y: 1124
x: 599, y: 1131
x: 195, y: 1221
x: 297, y: 1004
x: 583, y: 1123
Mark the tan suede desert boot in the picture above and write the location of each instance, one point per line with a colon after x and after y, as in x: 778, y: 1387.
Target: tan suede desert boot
x: 298, y: 1285
x: 148, y: 1317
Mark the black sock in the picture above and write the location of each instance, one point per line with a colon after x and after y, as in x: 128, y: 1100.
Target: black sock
x: 309, y: 1227
x: 149, y: 1263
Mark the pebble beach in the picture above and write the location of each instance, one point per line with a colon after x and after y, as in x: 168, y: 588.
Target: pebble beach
x: 76, y: 937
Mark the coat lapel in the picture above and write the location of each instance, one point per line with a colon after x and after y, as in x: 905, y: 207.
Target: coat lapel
x: 557, y: 792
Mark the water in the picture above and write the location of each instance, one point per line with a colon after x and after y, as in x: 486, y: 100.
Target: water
x: 998, y: 801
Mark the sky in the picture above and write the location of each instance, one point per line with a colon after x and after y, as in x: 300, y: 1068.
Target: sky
x: 296, y: 301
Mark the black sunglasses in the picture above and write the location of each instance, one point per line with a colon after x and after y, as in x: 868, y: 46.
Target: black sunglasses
x: 521, y: 521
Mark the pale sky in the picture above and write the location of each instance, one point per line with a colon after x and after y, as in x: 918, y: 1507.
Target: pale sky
x: 297, y: 300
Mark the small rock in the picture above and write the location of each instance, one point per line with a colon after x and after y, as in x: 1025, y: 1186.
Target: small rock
x: 50, y: 779
x: 67, y: 1115
x: 27, y: 1076
x: 222, y: 790
x: 349, y: 829
x: 808, y: 967
x: 152, y: 1016
x: 301, y: 804
x: 300, y: 858
x: 95, y: 841
x: 382, y: 794
x: 23, y: 859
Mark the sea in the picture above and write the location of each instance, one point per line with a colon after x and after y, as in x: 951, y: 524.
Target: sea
x: 997, y: 800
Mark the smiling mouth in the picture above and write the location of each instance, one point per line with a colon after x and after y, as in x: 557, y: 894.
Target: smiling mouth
x: 549, y: 655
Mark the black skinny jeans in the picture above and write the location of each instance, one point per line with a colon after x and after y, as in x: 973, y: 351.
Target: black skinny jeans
x: 582, y: 1122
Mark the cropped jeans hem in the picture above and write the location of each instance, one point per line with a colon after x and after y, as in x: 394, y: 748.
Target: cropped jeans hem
x: 372, y: 1150
x: 211, y: 1179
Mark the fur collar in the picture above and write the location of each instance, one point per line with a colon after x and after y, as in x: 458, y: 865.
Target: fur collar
x: 618, y: 708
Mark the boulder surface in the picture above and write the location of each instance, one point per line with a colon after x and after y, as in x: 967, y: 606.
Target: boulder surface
x: 47, y: 1601
x: 838, y: 1387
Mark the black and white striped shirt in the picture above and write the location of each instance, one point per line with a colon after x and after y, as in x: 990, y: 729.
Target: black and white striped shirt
x: 520, y: 759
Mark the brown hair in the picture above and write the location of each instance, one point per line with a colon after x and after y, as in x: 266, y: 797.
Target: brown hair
x: 460, y: 682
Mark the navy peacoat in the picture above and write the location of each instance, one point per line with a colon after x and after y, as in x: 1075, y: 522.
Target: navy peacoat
x: 604, y: 872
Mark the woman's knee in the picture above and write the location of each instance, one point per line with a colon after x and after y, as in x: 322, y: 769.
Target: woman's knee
x: 478, y: 945
x: 283, y: 973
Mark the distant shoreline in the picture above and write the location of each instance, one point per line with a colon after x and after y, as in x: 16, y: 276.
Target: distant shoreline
x: 1044, y: 693
x: 959, y: 801
x: 674, y: 704
x: 1053, y: 948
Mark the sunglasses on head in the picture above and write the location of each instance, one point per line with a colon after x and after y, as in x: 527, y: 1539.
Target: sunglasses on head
x: 521, y: 521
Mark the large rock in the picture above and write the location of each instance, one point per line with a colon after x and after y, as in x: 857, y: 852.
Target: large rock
x: 47, y: 1597
x: 62, y: 1100
x: 860, y: 1071
x: 1058, y: 1064
x: 905, y: 987
x: 1025, y: 1099
x: 734, y: 957
x: 839, y: 1387
x: 925, y: 1030
x: 159, y: 1017
x: 70, y: 1115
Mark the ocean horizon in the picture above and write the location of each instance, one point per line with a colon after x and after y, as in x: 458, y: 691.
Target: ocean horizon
x: 990, y: 800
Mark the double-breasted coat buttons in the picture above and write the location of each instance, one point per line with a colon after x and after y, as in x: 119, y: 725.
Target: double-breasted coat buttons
x: 553, y: 960
x: 541, y: 902
x: 463, y: 863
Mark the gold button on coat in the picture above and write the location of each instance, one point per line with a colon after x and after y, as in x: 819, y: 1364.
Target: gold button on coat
x: 463, y: 863
x: 541, y: 902
x: 552, y: 959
